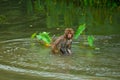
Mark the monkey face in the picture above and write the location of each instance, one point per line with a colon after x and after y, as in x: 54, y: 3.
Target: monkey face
x: 69, y: 36
x: 69, y: 33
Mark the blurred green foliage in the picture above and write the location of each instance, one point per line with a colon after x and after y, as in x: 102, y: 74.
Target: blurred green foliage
x: 80, y: 29
x: 44, y: 36
x: 91, y: 40
x: 70, y: 13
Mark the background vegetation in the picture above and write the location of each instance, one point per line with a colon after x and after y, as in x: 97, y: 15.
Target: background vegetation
x: 100, y: 16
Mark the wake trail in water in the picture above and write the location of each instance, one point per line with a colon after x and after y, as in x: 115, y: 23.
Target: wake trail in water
x: 50, y: 74
x: 41, y: 73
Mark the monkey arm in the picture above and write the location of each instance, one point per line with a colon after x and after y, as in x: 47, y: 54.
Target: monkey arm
x: 69, y: 43
x: 55, y: 44
x: 68, y: 48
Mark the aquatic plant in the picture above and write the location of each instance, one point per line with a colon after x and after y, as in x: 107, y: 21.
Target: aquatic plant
x: 33, y: 35
x: 80, y: 29
x: 44, y: 37
x: 90, y: 40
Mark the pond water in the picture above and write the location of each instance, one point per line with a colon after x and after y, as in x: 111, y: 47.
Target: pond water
x: 26, y: 59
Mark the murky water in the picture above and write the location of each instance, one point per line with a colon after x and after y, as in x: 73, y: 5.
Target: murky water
x: 26, y: 59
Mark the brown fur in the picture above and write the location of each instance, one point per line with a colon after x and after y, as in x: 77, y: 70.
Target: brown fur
x: 68, y: 35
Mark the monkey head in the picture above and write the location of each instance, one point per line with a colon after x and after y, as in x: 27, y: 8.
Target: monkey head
x: 69, y: 32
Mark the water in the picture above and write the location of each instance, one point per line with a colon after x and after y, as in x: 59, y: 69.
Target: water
x: 22, y: 58
x: 26, y: 59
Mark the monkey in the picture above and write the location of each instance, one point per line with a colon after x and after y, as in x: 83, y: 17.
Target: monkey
x: 63, y: 43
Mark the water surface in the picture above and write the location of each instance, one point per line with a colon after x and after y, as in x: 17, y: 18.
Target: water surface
x: 26, y: 59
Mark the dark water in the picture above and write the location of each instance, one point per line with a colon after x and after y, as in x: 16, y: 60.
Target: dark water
x: 26, y: 59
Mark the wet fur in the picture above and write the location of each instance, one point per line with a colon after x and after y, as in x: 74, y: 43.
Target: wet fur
x: 56, y: 44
